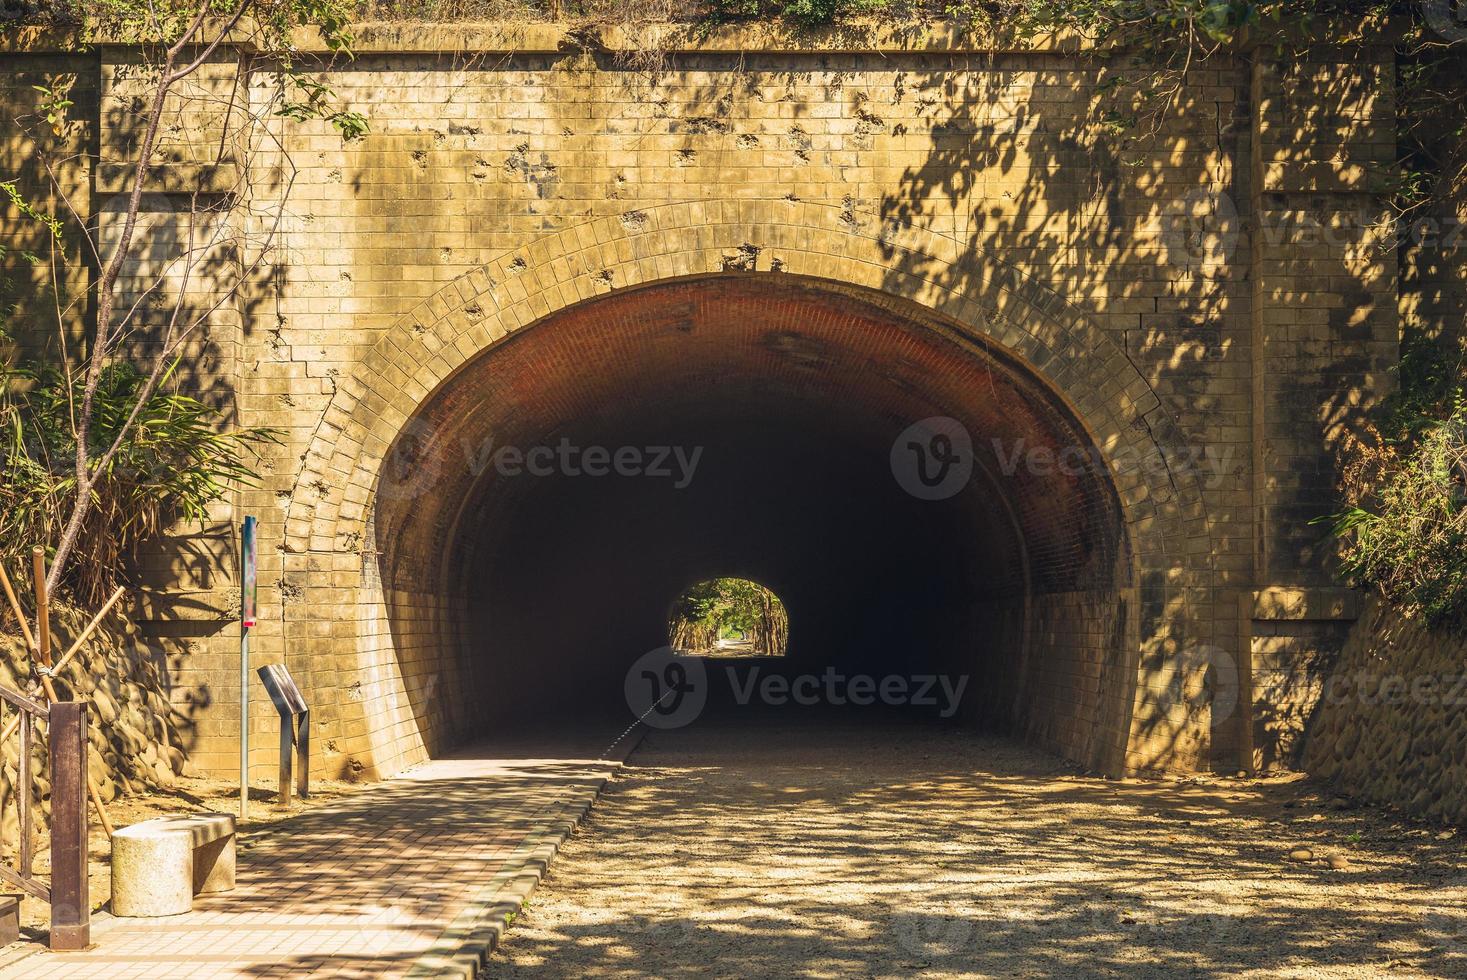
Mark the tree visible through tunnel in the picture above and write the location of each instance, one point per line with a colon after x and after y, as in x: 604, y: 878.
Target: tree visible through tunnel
x: 728, y: 617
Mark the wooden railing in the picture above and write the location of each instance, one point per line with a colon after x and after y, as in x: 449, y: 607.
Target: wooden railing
x: 66, y: 892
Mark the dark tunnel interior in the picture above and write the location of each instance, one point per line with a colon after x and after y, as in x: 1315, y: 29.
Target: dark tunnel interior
x: 558, y: 492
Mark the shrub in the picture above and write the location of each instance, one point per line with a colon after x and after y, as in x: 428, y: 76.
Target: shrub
x: 171, y: 465
x: 1405, y: 526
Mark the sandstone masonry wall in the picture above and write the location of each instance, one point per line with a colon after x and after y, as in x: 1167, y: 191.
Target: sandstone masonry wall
x: 1159, y: 288
x: 1390, y: 724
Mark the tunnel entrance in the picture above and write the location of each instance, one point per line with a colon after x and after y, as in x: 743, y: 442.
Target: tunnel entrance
x: 534, y: 516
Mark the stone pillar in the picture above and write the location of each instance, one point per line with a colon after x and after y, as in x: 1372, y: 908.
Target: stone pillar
x: 1324, y: 338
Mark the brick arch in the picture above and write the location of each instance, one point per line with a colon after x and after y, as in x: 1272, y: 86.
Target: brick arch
x: 1078, y: 361
x: 1162, y: 506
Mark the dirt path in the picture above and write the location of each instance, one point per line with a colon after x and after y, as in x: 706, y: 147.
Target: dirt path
x: 788, y: 848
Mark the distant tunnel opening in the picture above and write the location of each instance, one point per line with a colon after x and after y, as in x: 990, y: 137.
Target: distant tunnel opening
x: 534, y: 519
x: 728, y: 617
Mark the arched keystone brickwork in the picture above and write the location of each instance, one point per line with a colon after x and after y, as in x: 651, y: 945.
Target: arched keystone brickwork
x: 889, y: 264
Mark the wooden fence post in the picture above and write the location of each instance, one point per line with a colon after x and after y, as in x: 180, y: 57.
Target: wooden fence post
x: 71, y: 910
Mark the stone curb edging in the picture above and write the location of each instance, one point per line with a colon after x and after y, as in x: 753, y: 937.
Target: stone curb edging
x: 463, y: 948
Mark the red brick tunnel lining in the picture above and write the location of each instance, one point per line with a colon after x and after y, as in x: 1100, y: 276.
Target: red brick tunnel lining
x: 795, y: 392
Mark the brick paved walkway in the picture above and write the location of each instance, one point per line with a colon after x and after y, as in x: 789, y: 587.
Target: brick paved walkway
x: 410, y: 878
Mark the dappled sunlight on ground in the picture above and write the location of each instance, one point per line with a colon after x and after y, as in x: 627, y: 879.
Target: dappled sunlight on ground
x: 366, y: 885
x: 838, y: 849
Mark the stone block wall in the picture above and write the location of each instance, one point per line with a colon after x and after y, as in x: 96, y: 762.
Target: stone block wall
x: 1325, y: 337
x: 1390, y: 722
x: 31, y: 303
x: 511, y: 173
x: 1077, y: 653
x: 1297, y: 636
x: 468, y: 161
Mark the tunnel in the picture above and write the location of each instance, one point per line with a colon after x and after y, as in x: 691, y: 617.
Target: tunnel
x: 550, y: 499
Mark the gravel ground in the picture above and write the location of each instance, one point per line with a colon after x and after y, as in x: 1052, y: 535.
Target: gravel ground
x: 820, y: 846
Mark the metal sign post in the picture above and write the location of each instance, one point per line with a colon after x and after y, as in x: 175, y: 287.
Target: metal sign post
x: 247, y: 611
x: 295, y: 728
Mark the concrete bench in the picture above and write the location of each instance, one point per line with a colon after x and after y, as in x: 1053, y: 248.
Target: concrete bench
x: 9, y: 919
x: 159, y: 865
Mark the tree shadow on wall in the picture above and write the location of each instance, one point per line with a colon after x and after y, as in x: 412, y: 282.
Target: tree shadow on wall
x: 1144, y: 228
